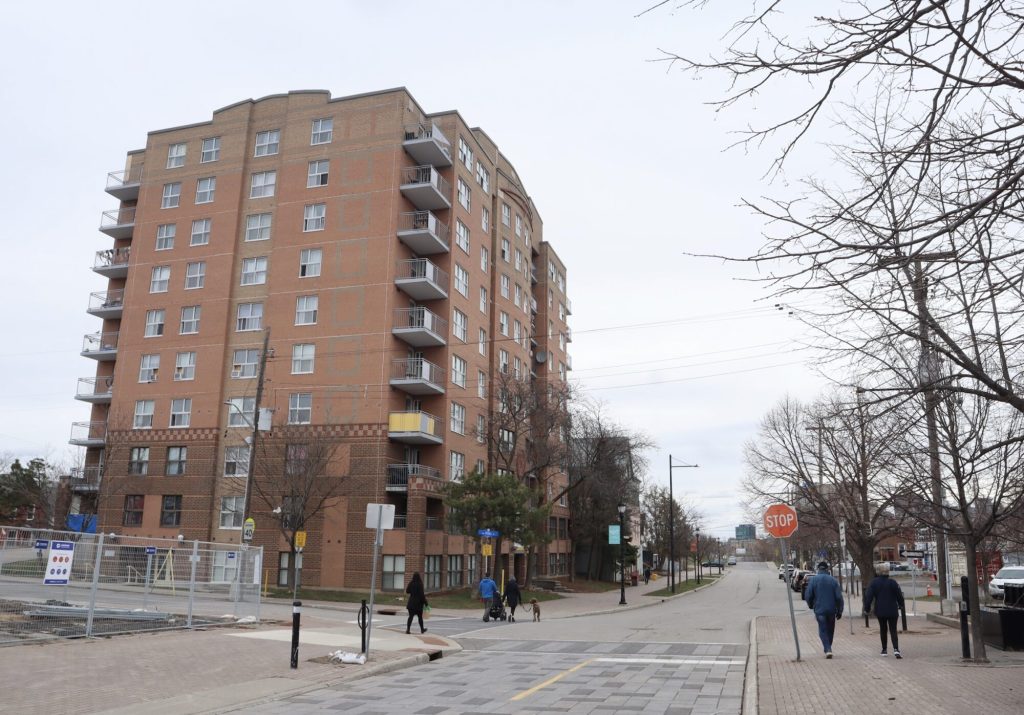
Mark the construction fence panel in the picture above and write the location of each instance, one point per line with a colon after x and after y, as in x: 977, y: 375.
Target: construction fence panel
x: 59, y: 584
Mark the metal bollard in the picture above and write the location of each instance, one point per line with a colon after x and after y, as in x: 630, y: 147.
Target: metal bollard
x: 965, y: 605
x: 361, y: 620
x: 296, y: 610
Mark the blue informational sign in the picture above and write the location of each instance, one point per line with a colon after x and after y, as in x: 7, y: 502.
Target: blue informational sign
x: 488, y: 533
x: 42, y: 544
x: 58, y: 567
x: 150, y: 550
x: 614, y: 534
x: 231, y: 554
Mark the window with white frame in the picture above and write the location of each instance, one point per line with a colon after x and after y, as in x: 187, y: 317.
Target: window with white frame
x: 519, y: 225
x: 505, y: 283
x: 465, y: 154
x: 236, y: 461
x: 306, y: 308
x: 551, y: 298
x: 506, y: 440
x: 323, y: 131
x: 205, y: 189
x: 263, y: 184
x: 462, y: 280
x: 249, y: 317
x: 241, y: 411
x: 485, y: 218
x: 318, y: 171
x: 483, y: 300
x: 171, y: 197
x: 185, y: 366
x: 459, y: 324
x: 180, y: 412
x: 517, y: 295
x: 483, y: 177
x: 481, y: 384
x: 457, y: 466
x: 176, y: 155
x: 154, y: 323
x: 200, y: 232
x: 314, y: 217
x: 138, y: 461
x: 485, y: 258
x: 561, y: 341
x: 149, y: 367
x: 177, y: 458
x: 267, y: 142
x: 517, y: 366
x: 505, y: 250
x: 231, y: 512
x: 392, y: 573
x: 517, y: 331
x: 143, y: 414
x: 503, y: 323
x: 245, y: 363
x: 165, y: 236
x: 463, y: 192
x: 309, y: 262
x: 482, y: 341
x: 190, y: 315
x: 254, y: 270
x: 481, y: 429
x: 561, y: 281
x: 303, y: 356
x: 519, y: 260
x: 503, y: 361
x: 458, y: 418
x: 257, y: 227
x: 561, y: 371
x: 159, y: 279
x: 211, y: 150
x: 561, y: 310
x: 195, y: 275
x: 480, y: 469
x: 300, y: 408
x: 462, y: 235
x: 458, y: 371
x: 506, y: 214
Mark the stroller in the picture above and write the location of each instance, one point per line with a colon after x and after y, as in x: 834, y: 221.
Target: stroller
x: 497, y: 610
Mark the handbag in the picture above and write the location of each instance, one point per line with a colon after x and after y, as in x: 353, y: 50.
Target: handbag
x: 426, y: 611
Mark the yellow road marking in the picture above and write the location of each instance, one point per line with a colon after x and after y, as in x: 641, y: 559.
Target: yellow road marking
x: 551, y: 681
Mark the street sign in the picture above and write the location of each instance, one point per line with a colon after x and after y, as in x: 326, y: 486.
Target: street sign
x: 488, y: 533
x: 248, y: 529
x: 300, y: 539
x: 58, y: 566
x: 150, y: 550
x: 487, y: 550
x: 42, y: 544
x: 614, y: 534
x: 382, y: 513
x: 780, y: 520
x: 913, y: 554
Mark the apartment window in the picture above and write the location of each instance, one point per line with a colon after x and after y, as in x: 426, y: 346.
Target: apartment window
x: 323, y: 131
x: 159, y: 279
x: 257, y: 227
x: 517, y: 367
x: 176, y: 459
x: 268, y: 142
x: 303, y: 356
x: 485, y: 258
x: 481, y: 429
x: 306, y: 308
x: 483, y: 177
x: 138, y: 461
x: 517, y: 295
x: 483, y: 300
x: 519, y: 225
x: 185, y: 366
x: 254, y: 270
x: 517, y: 331
x: 200, y: 232
x: 244, y: 363
x: 561, y: 341
x: 458, y: 418
x: 318, y: 171
x: 462, y: 280
x: 165, y: 236
x: 154, y: 323
x: 195, y: 275
x: 503, y: 361
x: 170, y: 510
x: 455, y: 575
x: 505, y: 250
x: 236, y: 461
x: 561, y: 310
x: 149, y: 366
x: 480, y: 469
x: 314, y: 217
x: 458, y: 371
x: 133, y: 506
x: 506, y: 440
x: 485, y: 218
x: 211, y: 150
x: 462, y: 235
x: 506, y: 215
x: 176, y: 155
x: 481, y: 384
x: 241, y: 411
x: 463, y: 192
x: 505, y: 283
x: 263, y: 184
x: 519, y: 260
x: 503, y: 323
x: 143, y: 414
x: 205, y: 189
x: 309, y: 262
x: 231, y: 512
x: 190, y: 315
x: 393, y: 573
x: 482, y: 338
x: 171, y: 196
x: 457, y: 466
x: 459, y: 323
x: 296, y: 459
x: 300, y: 408
x: 551, y: 298
x: 561, y: 371
x: 465, y: 154
x: 249, y: 317
x: 181, y: 412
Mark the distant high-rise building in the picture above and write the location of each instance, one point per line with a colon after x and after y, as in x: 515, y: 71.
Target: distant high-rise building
x: 746, y: 532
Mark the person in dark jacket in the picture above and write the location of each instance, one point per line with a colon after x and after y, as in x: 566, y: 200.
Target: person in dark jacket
x: 416, y: 603
x: 887, y: 597
x: 824, y: 595
x: 512, y: 598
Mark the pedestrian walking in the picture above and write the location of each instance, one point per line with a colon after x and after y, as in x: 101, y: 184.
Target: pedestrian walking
x: 824, y: 595
x: 512, y: 598
x: 416, y: 603
x: 887, y: 597
x: 487, y: 591
x: 647, y: 574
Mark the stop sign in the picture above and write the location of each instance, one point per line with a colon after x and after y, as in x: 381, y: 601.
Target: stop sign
x: 780, y: 520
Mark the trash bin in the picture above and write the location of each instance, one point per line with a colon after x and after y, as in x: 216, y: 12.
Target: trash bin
x: 1003, y: 628
x: 1013, y: 596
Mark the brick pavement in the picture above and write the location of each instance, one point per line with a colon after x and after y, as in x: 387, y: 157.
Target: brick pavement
x: 930, y: 679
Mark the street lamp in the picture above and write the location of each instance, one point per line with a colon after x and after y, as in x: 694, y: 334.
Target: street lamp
x: 254, y: 424
x: 672, y: 522
x: 697, y: 566
x: 622, y: 554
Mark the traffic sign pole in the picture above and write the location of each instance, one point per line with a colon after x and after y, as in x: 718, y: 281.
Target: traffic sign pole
x: 789, y: 593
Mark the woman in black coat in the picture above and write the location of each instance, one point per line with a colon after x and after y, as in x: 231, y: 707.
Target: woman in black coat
x: 512, y: 597
x: 417, y: 602
x: 887, y: 596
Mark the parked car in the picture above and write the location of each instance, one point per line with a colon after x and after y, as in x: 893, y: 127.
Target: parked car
x: 799, y: 578
x: 712, y: 564
x: 786, y: 569
x: 731, y: 561
x: 1008, y: 574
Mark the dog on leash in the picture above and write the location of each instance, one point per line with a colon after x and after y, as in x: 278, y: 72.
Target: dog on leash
x: 536, y: 609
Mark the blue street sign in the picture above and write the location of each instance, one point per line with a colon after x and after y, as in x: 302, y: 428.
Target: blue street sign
x: 42, y: 544
x: 150, y: 550
x: 231, y: 554
x: 614, y: 534
x: 487, y: 533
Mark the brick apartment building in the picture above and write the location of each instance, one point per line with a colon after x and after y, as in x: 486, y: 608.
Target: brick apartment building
x: 394, y: 262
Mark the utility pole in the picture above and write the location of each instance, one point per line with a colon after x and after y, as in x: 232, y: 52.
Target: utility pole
x: 255, y: 424
x: 672, y: 522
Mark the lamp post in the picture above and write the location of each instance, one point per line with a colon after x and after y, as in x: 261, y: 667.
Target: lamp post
x: 672, y: 522
x: 696, y: 557
x: 622, y: 555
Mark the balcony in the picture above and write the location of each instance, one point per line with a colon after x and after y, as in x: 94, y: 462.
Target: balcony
x: 100, y: 346
x: 420, y: 328
x: 97, y: 390
x: 106, y: 304
x: 118, y: 223
x: 568, y: 306
x: 533, y: 305
x: 423, y: 233
x: 86, y: 479
x: 422, y: 280
x: 568, y: 362
x: 401, y: 520
x: 124, y: 185
x: 426, y: 188
x: 88, y: 434
x: 427, y: 145
x: 533, y: 274
x: 112, y: 263
x: 435, y: 523
x: 399, y: 474
x: 417, y: 376
x: 568, y: 334
x: 414, y: 428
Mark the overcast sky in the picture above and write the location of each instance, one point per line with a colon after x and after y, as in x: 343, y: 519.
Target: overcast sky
x: 622, y: 155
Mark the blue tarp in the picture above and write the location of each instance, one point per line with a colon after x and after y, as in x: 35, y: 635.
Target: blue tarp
x: 82, y: 523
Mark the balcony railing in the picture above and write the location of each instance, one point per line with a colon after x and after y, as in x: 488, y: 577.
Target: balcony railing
x: 435, y: 523
x: 112, y: 263
x: 568, y: 334
x: 417, y: 376
x: 426, y: 188
x: 423, y: 232
x: 398, y: 475
x: 414, y: 427
x: 86, y: 479
x: 420, y: 327
x: 101, y: 346
x: 88, y: 434
x: 533, y: 305
x: 106, y: 303
x: 400, y: 520
x: 568, y: 305
x: 118, y: 223
x: 124, y: 185
x: 95, y: 389
x: 421, y: 279
x: 533, y: 275
x: 427, y: 144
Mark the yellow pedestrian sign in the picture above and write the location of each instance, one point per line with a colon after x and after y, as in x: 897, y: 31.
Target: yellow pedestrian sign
x: 300, y: 539
x: 488, y: 550
x: 248, y: 529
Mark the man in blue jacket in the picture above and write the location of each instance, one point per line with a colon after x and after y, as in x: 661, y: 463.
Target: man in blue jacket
x: 488, y: 590
x: 826, y: 598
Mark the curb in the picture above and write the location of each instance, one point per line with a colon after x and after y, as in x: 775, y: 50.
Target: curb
x: 750, y: 673
x: 648, y: 604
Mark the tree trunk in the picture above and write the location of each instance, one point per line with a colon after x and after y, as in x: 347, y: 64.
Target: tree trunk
x: 977, y: 642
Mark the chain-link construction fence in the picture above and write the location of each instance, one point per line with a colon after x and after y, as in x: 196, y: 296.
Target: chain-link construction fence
x: 61, y: 584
